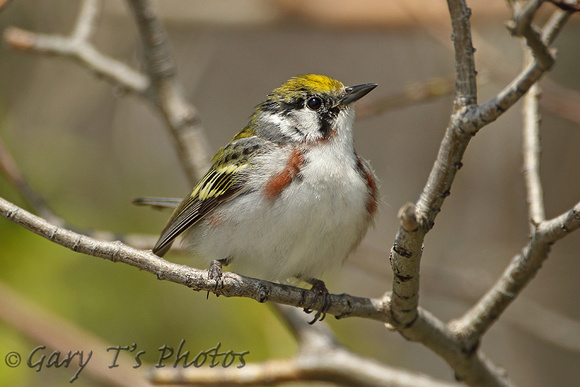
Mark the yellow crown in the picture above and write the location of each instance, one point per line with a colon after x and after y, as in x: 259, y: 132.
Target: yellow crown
x: 307, y: 83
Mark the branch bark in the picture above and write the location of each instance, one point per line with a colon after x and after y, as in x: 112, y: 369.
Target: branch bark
x: 531, y: 152
x: 406, y: 253
x: 517, y: 275
x: 320, y: 357
x: 161, y: 86
x: 181, y: 117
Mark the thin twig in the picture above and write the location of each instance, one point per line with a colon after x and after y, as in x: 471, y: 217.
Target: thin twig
x: 521, y: 25
x: 517, y: 275
x: 117, y: 73
x: 406, y: 253
x: 512, y: 93
x: 181, y: 117
x: 320, y: 358
x: 531, y: 153
x: 336, y: 367
x: 86, y: 24
x: 163, y: 89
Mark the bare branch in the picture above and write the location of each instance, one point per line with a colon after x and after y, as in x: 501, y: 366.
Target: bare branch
x: 181, y: 117
x: 231, y: 285
x: 466, y: 86
x: 86, y: 23
x: 471, y: 366
x: 427, y: 329
x: 82, y: 52
x: 524, y: 266
x: 531, y: 152
x: 506, y: 98
x: 334, y: 367
x: 163, y: 89
x: 521, y: 25
x: 320, y: 358
x: 407, y: 249
x: 465, y: 123
x: 338, y: 366
x: 517, y: 275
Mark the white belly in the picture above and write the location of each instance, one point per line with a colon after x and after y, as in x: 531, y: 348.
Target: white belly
x: 310, y: 228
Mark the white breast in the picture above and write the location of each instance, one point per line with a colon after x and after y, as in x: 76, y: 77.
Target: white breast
x: 309, y: 228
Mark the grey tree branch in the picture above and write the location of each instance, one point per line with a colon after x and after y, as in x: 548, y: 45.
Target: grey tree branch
x: 406, y: 253
x: 524, y: 266
x: 407, y: 248
x: 86, y: 24
x: 81, y: 52
x: 335, y: 367
x: 506, y: 98
x: 427, y: 329
x: 465, y: 85
x: 521, y: 25
x: 465, y: 123
x: 232, y: 285
x: 160, y: 87
x: 181, y: 117
x: 531, y: 153
x: 320, y: 357
x: 517, y: 275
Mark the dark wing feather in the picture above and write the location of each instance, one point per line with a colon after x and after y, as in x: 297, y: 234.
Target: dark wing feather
x: 225, y: 180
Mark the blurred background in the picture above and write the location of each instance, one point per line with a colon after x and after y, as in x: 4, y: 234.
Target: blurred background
x: 89, y: 149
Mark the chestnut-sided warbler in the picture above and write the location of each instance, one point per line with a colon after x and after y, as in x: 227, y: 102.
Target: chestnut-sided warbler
x: 288, y: 196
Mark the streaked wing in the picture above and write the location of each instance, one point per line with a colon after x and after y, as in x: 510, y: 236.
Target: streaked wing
x: 225, y: 180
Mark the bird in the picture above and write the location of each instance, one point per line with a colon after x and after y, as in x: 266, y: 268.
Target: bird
x: 288, y: 197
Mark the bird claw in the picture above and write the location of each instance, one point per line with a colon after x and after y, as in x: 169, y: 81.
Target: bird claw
x: 321, y: 292
x: 215, y: 273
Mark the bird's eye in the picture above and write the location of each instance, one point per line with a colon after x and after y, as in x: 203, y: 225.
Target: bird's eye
x: 314, y: 103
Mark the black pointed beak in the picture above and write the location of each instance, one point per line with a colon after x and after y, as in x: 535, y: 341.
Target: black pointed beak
x: 354, y: 93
